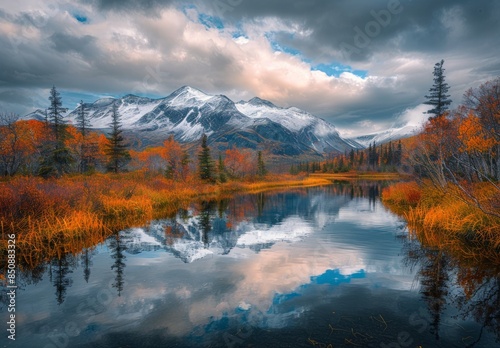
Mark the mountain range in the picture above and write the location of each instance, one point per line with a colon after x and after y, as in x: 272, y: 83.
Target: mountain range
x: 392, y: 134
x: 188, y: 113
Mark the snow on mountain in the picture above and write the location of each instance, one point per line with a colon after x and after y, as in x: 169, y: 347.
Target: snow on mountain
x: 292, y: 229
x: 292, y: 118
x: 321, y: 135
x: 189, y: 243
x: 392, y: 134
x: 188, y: 97
x: 35, y: 115
x: 130, y: 107
x: 187, y: 113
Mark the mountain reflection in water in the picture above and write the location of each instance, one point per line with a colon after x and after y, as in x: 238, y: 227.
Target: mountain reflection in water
x: 306, y: 267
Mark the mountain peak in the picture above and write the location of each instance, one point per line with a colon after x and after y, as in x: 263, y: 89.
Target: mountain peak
x: 188, y: 96
x: 260, y: 102
x: 131, y: 96
x: 189, y: 90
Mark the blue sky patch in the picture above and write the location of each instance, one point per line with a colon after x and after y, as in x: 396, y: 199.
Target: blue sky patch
x: 335, y: 69
x: 80, y: 18
x: 210, y: 21
x: 334, y: 277
x: 281, y: 48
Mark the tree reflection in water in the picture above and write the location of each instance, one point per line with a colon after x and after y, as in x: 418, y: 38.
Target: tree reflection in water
x: 117, y: 248
x: 206, y: 212
x: 86, y: 262
x: 451, y: 276
x: 476, y: 277
x: 60, y: 268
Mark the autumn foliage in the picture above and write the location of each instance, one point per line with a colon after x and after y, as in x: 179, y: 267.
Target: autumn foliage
x: 460, y: 151
x: 456, y: 161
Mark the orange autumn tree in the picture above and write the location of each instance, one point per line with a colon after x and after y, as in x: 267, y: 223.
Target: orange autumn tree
x: 85, y: 149
x: 484, y: 102
x: 150, y: 159
x: 433, y: 147
x: 239, y: 163
x: 473, y: 136
x: 177, y: 159
x: 20, y: 142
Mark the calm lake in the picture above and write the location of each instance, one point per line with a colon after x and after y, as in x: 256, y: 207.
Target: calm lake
x: 317, y: 267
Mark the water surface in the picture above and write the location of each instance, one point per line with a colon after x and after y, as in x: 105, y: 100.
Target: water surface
x: 317, y: 267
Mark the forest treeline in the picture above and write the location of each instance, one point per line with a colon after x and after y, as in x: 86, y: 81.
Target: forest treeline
x: 378, y: 158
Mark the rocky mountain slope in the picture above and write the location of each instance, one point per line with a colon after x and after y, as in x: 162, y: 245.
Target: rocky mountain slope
x: 188, y: 113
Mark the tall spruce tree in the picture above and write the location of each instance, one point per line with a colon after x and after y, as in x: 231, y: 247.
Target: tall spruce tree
x: 82, y: 119
x: 438, y: 97
x: 398, y: 154
x: 205, y: 162
x: 261, y: 166
x: 86, y: 150
x: 55, y: 115
x: 116, y: 149
x: 222, y: 170
x: 56, y: 159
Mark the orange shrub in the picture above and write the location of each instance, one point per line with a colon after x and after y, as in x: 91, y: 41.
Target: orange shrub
x: 402, y: 194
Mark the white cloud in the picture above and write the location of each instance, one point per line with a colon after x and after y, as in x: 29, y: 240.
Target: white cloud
x: 144, y: 53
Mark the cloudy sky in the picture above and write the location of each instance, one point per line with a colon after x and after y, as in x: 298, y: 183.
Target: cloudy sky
x: 363, y: 65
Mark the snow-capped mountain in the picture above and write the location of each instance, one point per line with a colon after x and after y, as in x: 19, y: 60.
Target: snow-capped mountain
x: 188, y: 113
x: 392, y: 134
x: 323, y: 136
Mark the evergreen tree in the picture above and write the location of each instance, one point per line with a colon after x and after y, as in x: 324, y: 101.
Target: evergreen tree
x: 390, y: 154
x: 398, y: 154
x: 371, y: 155
x: 351, y: 158
x: 82, y: 121
x: 205, y: 162
x: 55, y: 115
x: 86, y: 150
x: 116, y: 149
x: 56, y: 157
x: 437, y: 97
x: 222, y: 170
x: 185, y: 160
x: 261, y: 166
x: 361, y: 158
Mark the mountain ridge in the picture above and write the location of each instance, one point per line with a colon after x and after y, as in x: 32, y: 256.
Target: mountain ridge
x: 188, y: 113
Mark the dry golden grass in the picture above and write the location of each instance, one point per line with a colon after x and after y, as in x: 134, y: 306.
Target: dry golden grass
x: 55, y: 217
x: 404, y: 194
x: 445, y: 220
x: 284, y: 181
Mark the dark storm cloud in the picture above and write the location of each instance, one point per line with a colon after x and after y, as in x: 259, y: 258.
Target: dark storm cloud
x: 15, y: 97
x: 83, y: 45
x: 490, y: 68
x: 411, y: 26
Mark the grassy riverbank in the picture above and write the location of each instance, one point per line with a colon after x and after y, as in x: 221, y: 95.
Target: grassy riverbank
x: 53, y: 217
x: 443, y: 219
